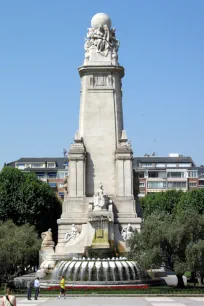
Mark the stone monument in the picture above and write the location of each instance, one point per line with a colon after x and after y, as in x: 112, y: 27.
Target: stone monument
x: 99, y: 210
x: 101, y: 155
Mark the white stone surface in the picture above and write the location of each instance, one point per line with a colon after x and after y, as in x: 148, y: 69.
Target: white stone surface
x: 101, y: 151
x: 77, y: 246
x: 158, y: 299
x: 97, y: 126
x: 171, y: 280
x: 100, y: 19
x: 197, y: 299
x: 40, y: 300
x: 167, y: 304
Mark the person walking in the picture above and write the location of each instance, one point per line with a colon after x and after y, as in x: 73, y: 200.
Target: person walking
x: 29, y: 289
x: 62, y: 287
x: 37, y: 287
x: 8, y: 299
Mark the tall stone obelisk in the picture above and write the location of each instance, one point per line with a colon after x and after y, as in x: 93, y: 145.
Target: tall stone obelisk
x: 101, y: 152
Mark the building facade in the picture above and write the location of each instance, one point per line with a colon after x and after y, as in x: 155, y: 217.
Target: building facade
x: 201, y: 176
x: 156, y: 174
x: 52, y: 170
x: 153, y: 173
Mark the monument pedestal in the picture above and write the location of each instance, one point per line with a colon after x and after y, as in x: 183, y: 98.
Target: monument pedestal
x: 101, y: 222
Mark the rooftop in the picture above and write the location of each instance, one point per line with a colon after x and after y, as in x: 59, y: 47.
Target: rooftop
x: 60, y: 161
x: 162, y: 160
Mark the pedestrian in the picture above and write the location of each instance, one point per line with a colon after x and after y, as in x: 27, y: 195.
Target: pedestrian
x: 8, y: 299
x: 29, y: 289
x: 62, y: 287
x: 37, y: 287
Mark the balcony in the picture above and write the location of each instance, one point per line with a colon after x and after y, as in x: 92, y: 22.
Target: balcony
x: 177, y: 184
x: 156, y: 184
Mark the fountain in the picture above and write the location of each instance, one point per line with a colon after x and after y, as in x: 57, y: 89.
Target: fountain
x: 97, y: 270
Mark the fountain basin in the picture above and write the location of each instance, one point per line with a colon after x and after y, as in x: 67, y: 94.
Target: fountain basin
x: 93, y: 274
x: 113, y: 270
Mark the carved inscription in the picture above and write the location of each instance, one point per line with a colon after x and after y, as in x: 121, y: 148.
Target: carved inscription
x: 100, y: 81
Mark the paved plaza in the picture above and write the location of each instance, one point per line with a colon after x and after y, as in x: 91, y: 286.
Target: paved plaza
x: 119, y: 301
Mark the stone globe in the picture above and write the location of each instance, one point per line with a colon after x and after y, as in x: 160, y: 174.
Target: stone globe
x: 100, y: 20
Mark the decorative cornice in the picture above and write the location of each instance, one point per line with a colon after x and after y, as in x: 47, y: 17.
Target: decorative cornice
x: 96, y: 69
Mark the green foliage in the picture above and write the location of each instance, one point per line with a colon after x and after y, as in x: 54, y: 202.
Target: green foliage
x: 19, y: 246
x: 25, y: 199
x: 160, y: 201
x: 191, y: 200
x: 195, y: 256
x: 173, y: 231
x: 167, y: 240
x: 173, y: 202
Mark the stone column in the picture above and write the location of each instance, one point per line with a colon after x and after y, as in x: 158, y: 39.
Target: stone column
x: 101, y: 123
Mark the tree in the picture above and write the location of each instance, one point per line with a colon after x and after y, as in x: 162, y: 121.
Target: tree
x: 164, y: 240
x: 19, y: 246
x: 173, y: 202
x: 193, y: 200
x: 160, y: 201
x: 195, y: 258
x: 26, y: 199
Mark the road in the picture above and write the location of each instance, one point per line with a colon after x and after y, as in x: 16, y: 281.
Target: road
x: 118, y: 301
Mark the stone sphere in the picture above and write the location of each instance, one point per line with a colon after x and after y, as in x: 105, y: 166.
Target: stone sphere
x: 100, y: 20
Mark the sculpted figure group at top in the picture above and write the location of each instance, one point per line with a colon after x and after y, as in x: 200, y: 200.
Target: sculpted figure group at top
x: 103, y: 39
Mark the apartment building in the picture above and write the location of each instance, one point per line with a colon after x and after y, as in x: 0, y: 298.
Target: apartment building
x: 51, y: 170
x: 201, y: 176
x: 156, y: 174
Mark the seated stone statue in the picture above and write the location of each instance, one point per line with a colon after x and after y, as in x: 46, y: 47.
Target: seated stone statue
x: 100, y: 199
x: 47, y: 239
x: 72, y: 234
x: 127, y: 232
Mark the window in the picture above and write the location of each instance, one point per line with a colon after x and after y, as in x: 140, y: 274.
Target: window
x: 201, y: 182
x: 162, y: 174
x: 142, y: 184
x: 27, y: 165
x: 62, y: 174
x: 52, y: 175
x: 40, y: 174
x: 52, y: 184
x: 176, y: 185
x: 175, y: 174
x: 160, y: 165
x: 37, y: 165
x: 60, y: 185
x: 192, y: 184
x: 146, y: 165
x: 141, y: 174
x: 61, y: 194
x: 186, y: 165
x: 153, y: 174
x: 156, y: 185
x: 51, y: 165
x: 20, y: 166
x: 192, y: 174
x: 171, y: 165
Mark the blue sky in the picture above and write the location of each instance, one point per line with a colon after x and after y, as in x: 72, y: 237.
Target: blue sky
x: 162, y: 50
